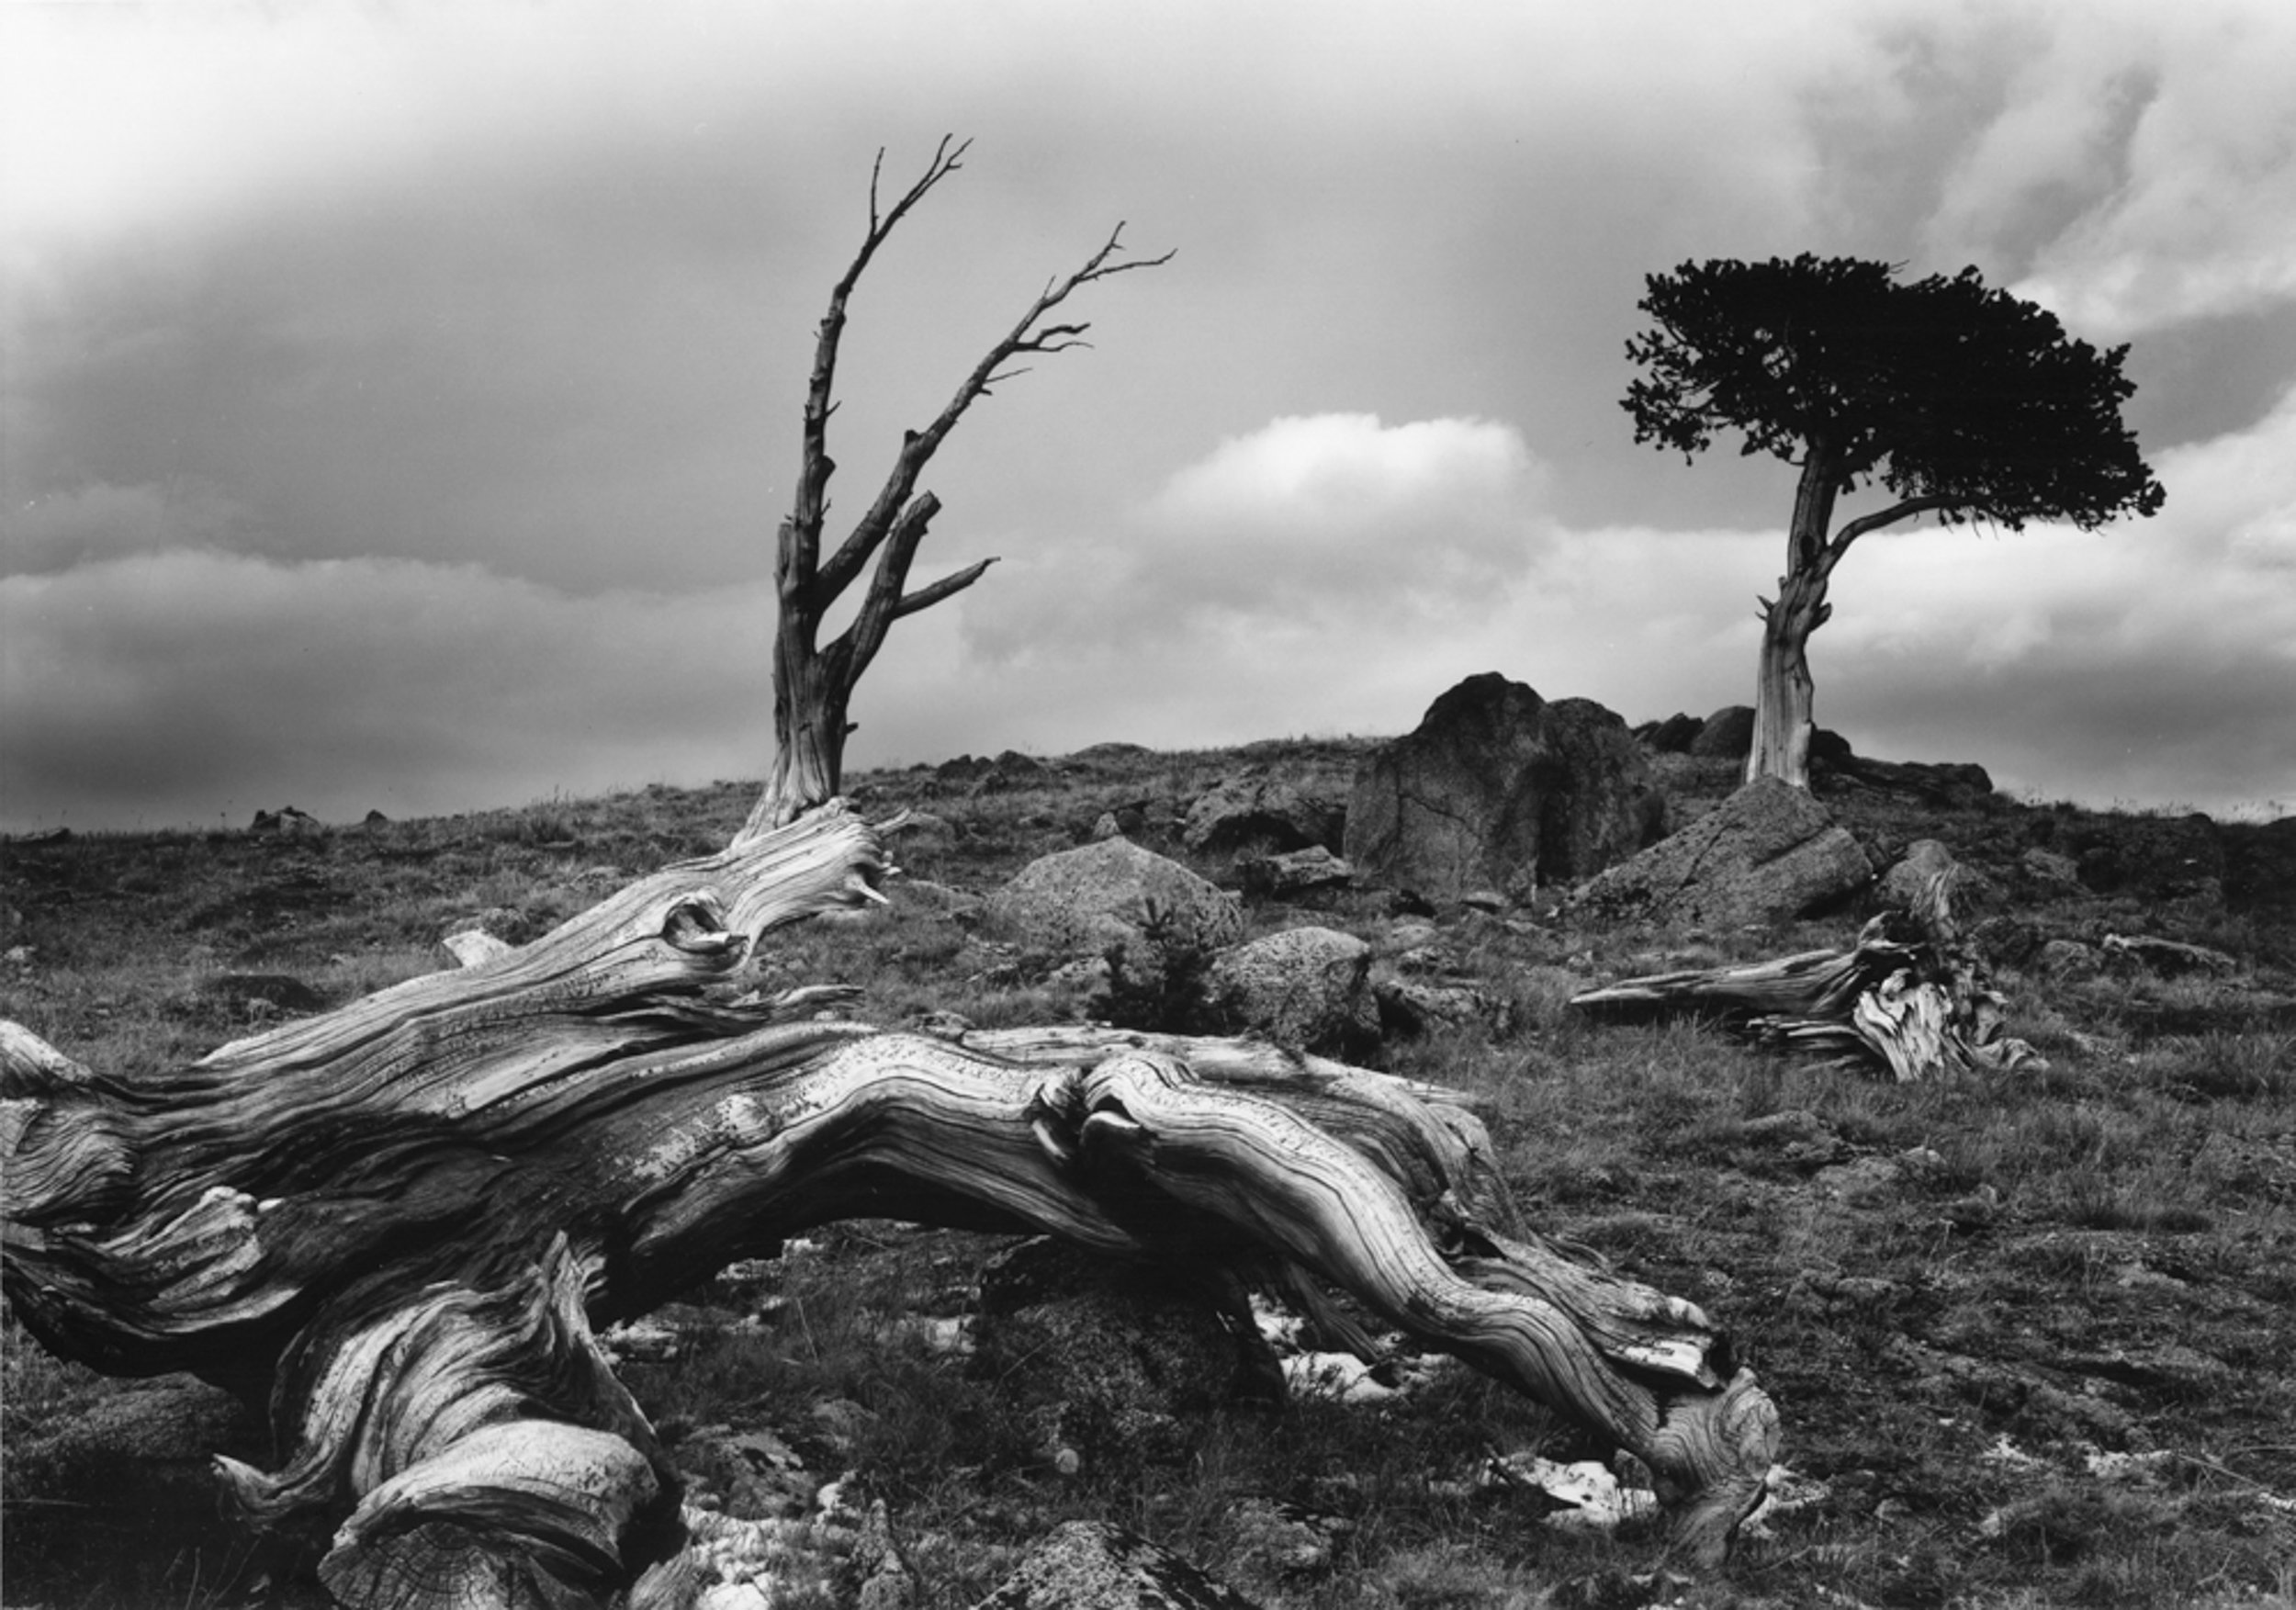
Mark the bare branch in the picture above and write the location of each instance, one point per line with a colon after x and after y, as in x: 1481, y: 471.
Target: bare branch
x: 949, y: 586
x: 917, y: 447
x: 800, y: 541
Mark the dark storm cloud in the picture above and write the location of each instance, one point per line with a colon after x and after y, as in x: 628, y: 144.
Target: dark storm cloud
x: 180, y: 686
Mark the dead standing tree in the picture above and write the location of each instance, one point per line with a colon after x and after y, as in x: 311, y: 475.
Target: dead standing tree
x: 393, y: 1226
x: 813, y: 681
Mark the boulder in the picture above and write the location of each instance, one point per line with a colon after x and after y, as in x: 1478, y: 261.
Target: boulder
x: 1293, y: 873
x: 2068, y: 961
x: 1767, y: 853
x: 1097, y: 1565
x: 1115, y: 896
x: 1670, y: 737
x: 2048, y: 867
x: 1906, y: 883
x: 1109, y: 1359
x: 1252, y: 813
x: 287, y: 820
x: 1411, y: 1006
x: 1305, y: 987
x: 1498, y: 787
x: 1727, y: 735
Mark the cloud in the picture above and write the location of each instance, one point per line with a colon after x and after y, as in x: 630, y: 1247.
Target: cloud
x: 98, y: 520
x: 170, y: 687
x: 2193, y: 204
x: 1310, y: 518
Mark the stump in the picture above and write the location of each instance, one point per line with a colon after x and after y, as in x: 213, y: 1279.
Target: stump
x: 1908, y: 995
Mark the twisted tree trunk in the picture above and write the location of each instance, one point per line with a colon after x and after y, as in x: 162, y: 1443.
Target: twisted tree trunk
x: 396, y: 1224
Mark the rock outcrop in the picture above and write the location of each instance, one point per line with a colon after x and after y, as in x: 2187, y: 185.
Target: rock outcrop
x: 1501, y: 789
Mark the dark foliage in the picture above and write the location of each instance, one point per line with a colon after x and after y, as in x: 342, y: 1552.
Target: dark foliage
x: 1941, y: 388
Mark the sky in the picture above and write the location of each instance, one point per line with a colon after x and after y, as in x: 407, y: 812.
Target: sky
x: 399, y: 398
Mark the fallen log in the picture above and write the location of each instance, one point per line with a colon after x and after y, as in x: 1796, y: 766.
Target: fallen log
x: 1909, y: 993
x: 393, y: 1227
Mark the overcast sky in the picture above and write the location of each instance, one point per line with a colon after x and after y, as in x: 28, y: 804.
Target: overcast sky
x: 399, y: 399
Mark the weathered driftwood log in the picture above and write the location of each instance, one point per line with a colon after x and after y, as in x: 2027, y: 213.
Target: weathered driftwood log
x: 394, y: 1225
x: 1909, y: 995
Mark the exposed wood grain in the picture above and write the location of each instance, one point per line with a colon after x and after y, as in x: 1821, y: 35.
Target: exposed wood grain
x: 1909, y: 995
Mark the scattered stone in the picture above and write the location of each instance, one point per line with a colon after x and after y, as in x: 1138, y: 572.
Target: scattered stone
x: 1283, y: 1540
x: 2167, y: 958
x: 1977, y: 1210
x: 1768, y: 853
x: 2068, y: 960
x: 941, y: 1023
x: 2046, y: 866
x: 749, y: 1473
x: 1252, y: 813
x: 885, y: 1581
x: 1586, y: 1496
x: 2006, y: 941
x: 286, y: 821
x: 1010, y: 770
x: 1861, y: 1181
x: 924, y: 830
x: 260, y: 994
x: 1307, y: 987
x: 1294, y: 873
x: 1094, y: 1565
x: 1411, y: 1007
x: 476, y: 947
x: 935, y: 899
x: 1500, y: 787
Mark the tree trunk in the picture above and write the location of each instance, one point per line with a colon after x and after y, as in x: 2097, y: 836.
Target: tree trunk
x: 811, y: 696
x: 1784, y: 694
x: 1909, y: 995
x: 395, y: 1224
x: 1784, y: 717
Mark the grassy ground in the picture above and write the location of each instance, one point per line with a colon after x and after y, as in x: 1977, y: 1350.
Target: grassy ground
x: 2030, y: 1338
